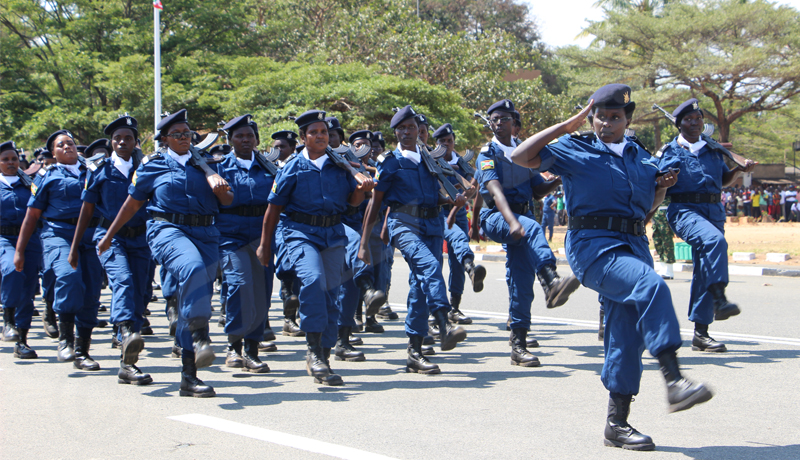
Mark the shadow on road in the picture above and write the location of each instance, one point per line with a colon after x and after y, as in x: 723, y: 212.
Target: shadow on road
x: 755, y: 451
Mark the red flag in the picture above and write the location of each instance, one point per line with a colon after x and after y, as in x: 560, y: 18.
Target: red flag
x: 157, y: 4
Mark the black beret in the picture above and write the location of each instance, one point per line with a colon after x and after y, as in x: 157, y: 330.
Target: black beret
x: 125, y: 121
x: 299, y: 148
x: 505, y: 105
x: 172, y: 119
x: 422, y: 119
x: 402, y: 115
x: 290, y: 136
x: 310, y: 117
x: 684, y: 109
x: 43, y: 152
x: 444, y: 130
x: 222, y: 149
x: 52, y: 138
x: 333, y: 123
x: 614, y: 96
x: 81, y: 148
x: 515, y: 115
x: 240, y: 122
x: 9, y: 145
x: 378, y: 136
x: 362, y: 134
x: 99, y: 144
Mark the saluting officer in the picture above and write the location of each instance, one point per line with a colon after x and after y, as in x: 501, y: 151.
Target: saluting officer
x: 249, y: 283
x: 17, y: 287
x: 76, y: 291
x: 416, y: 229
x: 608, y: 251
x: 697, y: 216
x: 127, y: 262
x: 507, y: 190
x: 308, y: 197
x: 182, y: 197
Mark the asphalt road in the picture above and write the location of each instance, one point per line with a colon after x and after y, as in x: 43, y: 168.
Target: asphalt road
x: 479, y: 407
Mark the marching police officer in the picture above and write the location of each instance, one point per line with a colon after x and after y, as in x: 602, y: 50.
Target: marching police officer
x: 608, y: 251
x: 697, y: 216
x: 182, y: 195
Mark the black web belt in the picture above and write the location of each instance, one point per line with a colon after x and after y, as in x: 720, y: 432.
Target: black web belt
x: 93, y: 222
x: 9, y: 230
x: 125, y: 231
x: 696, y: 198
x: 418, y: 211
x: 316, y: 221
x: 192, y: 220
x: 617, y: 224
x: 246, y: 211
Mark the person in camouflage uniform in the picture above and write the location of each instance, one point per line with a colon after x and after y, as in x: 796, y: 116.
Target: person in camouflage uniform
x: 662, y: 239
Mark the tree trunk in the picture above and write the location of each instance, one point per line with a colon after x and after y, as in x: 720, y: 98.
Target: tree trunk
x: 657, y: 134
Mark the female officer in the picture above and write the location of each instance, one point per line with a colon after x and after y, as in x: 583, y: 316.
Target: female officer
x: 183, y: 194
x: 697, y: 217
x: 608, y: 251
x: 249, y: 283
x: 416, y: 229
x: 76, y: 291
x: 309, y: 197
x: 127, y: 263
x: 17, y: 287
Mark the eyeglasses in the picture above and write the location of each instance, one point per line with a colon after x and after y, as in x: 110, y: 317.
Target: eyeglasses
x: 183, y: 135
x: 498, y: 121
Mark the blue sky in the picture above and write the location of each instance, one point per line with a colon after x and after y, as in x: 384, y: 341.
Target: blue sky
x: 560, y: 21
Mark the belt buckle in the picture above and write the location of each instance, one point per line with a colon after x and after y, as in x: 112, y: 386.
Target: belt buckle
x: 638, y: 228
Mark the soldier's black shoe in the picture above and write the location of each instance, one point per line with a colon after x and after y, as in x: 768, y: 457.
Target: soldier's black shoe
x: 704, y: 342
x: 146, y: 330
x: 373, y: 299
x: 222, y: 319
x: 373, y: 326
x: 36, y: 312
x: 131, y: 344
x: 49, y: 320
x: 316, y: 366
x: 234, y: 357
x: 449, y: 335
x: 103, y: 323
x: 334, y: 379
x: 722, y: 308
x: 355, y: 340
x: 416, y: 361
x: 190, y: 384
x: 177, y: 351
x: 102, y: 309
x: 344, y: 351
x: 83, y: 361
x: 269, y: 335
x: 455, y: 315
x: 291, y: 328
x: 21, y: 348
x: 520, y: 356
x: 204, y: 354
x: 290, y: 301
x: 172, y: 314
x: 428, y: 350
x: 618, y: 432
x: 681, y: 393
x: 251, y: 361
x: 66, y: 341
x: 601, y: 332
x: 477, y: 273
x: 386, y: 313
x: 10, y: 333
x: 428, y: 340
x: 132, y: 375
x: 556, y: 289
x: 267, y: 346
x: 433, y: 330
x: 531, y: 342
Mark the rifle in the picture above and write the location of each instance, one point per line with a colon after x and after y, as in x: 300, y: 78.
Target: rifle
x: 463, y: 162
x: 432, y: 160
x: 267, y: 160
x: 708, y: 130
x: 341, y: 162
x: 353, y: 156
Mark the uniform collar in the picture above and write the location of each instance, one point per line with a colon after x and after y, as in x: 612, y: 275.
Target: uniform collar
x: 617, y: 149
x: 75, y: 169
x: 246, y: 164
x: 182, y: 159
x: 505, y: 148
x: 122, y: 166
x: 319, y: 162
x: 412, y: 155
x: 9, y: 180
x: 693, y: 148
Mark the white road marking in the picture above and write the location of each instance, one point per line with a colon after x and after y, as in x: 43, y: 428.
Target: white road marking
x: 276, y: 437
x: 580, y: 322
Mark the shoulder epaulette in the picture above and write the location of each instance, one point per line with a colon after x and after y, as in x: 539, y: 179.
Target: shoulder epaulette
x: 96, y: 162
x: 485, y: 147
x: 579, y: 134
x: 152, y: 156
x: 660, y: 152
x: 43, y: 170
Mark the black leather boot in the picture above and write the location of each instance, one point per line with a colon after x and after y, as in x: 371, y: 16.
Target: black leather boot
x: 66, y: 340
x: 315, y: 358
x: 373, y: 298
x: 290, y: 301
x: 204, y: 354
x: 251, y: 361
x: 722, y: 308
x: 177, y: 351
x: 131, y: 344
x: 681, y: 393
x: 618, y: 432
x: 704, y: 342
x: 450, y: 335
x: 269, y: 334
x: 234, y: 357
x: 556, y: 289
x: 172, y: 314
x: 334, y: 379
x: 115, y: 343
x: 428, y: 350
x: 10, y: 333
x: 291, y: 328
x: 477, y: 273
x: 267, y: 346
x: 531, y: 342
x: 433, y: 330
x: 190, y: 384
x: 372, y: 325
x: 601, y: 332
x: 344, y: 350
x: 520, y: 356
x: 49, y: 320
x: 83, y: 361
x: 354, y: 339
x: 416, y: 361
x: 132, y: 375
x: 455, y: 315
x: 360, y: 316
x: 21, y: 348
x: 223, y: 318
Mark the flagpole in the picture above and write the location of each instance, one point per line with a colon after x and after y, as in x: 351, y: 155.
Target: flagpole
x: 157, y: 60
